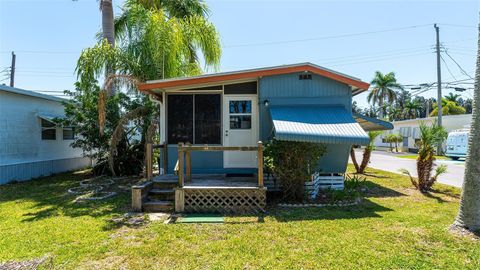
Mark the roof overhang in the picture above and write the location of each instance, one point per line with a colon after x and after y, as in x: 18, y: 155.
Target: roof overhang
x: 358, y: 86
x: 372, y: 124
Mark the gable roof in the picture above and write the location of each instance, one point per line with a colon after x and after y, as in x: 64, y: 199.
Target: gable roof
x: 357, y: 85
x: 19, y: 91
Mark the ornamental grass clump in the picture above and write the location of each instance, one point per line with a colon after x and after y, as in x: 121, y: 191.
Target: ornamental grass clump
x: 293, y: 163
x: 430, y: 137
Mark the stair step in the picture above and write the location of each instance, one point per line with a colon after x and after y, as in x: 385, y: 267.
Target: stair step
x: 158, y: 206
x: 161, y: 194
x: 168, y: 181
x: 162, y: 191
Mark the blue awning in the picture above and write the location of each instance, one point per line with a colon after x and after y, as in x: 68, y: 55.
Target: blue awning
x: 371, y: 124
x: 319, y: 123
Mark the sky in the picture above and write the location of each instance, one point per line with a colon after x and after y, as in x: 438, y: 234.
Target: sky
x: 353, y: 37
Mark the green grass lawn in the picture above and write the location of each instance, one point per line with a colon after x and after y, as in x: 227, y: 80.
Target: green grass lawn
x: 415, y: 157
x: 394, y: 227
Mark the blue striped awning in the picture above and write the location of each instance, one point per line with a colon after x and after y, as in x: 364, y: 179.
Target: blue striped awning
x: 319, y: 124
x: 372, y: 124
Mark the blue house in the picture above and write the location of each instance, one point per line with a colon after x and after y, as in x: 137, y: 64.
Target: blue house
x: 230, y: 110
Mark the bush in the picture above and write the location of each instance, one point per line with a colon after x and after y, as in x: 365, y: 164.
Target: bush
x: 293, y: 163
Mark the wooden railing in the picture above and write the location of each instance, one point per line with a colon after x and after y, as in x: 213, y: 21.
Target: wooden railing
x: 149, y: 158
x: 184, y: 159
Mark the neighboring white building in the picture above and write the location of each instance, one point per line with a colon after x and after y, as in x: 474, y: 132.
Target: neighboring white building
x: 410, y: 130
x: 30, y: 144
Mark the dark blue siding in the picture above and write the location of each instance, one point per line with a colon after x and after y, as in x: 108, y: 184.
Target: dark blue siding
x: 204, y: 162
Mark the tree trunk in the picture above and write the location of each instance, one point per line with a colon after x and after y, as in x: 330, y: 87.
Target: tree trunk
x: 469, y: 213
x: 365, y: 160
x: 380, y: 104
x: 354, y: 159
x: 108, y: 29
x: 396, y: 147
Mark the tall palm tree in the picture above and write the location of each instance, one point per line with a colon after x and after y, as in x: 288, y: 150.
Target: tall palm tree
x: 452, y: 97
x: 108, y: 25
x: 469, y: 213
x: 383, y: 90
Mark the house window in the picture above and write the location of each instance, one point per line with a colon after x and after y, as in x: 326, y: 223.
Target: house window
x: 49, y: 130
x: 240, y: 114
x: 68, y: 133
x: 194, y: 118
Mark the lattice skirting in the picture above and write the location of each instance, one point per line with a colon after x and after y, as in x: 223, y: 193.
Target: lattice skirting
x: 329, y: 181
x: 225, y: 200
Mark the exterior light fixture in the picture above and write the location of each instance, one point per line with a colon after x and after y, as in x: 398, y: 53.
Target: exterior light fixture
x: 265, y: 102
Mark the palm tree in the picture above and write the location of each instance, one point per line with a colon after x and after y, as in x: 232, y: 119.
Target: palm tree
x: 411, y: 109
x: 372, y: 135
x: 166, y: 45
x: 452, y: 97
x: 430, y: 136
x: 383, y: 90
x: 394, y: 113
x: 108, y: 30
x: 469, y: 213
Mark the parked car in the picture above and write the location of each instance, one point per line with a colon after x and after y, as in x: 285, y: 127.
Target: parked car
x: 457, y: 144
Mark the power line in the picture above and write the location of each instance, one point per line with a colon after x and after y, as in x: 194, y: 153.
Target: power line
x: 325, y: 37
x: 448, y: 69
x: 457, y: 25
x: 456, y: 63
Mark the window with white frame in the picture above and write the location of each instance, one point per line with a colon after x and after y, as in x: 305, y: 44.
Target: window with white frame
x: 68, y: 133
x: 49, y: 130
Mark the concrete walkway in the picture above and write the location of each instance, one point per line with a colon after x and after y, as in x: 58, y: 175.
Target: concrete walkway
x: 391, y: 162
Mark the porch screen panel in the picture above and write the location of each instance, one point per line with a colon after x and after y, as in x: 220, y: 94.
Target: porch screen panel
x: 207, y: 119
x: 180, y: 118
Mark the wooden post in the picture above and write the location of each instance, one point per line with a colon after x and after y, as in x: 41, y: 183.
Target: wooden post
x: 179, y: 200
x: 137, y: 199
x: 165, y: 158
x: 188, y: 163
x: 149, y: 165
x: 181, y: 165
x: 260, y: 164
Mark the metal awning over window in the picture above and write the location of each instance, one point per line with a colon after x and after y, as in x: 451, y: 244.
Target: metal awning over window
x: 320, y: 124
x: 372, y: 124
x: 49, y: 117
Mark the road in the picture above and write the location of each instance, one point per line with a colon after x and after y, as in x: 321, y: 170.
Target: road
x: 391, y: 162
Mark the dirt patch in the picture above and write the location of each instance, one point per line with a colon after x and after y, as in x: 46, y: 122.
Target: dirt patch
x: 45, y: 262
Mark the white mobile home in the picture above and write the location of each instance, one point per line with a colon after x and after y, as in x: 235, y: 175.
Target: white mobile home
x: 31, y: 145
x: 410, y: 129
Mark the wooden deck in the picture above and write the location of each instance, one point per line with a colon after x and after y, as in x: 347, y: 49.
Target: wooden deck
x: 219, y: 181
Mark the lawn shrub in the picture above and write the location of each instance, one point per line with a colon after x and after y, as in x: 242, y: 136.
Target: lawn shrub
x: 293, y: 163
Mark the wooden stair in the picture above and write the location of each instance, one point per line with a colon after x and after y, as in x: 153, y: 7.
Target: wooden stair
x: 161, y: 197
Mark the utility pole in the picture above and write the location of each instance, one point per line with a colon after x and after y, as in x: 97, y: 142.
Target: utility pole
x: 439, y: 85
x: 12, y: 70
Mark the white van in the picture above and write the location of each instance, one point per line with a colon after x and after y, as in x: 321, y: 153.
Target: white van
x: 457, y: 144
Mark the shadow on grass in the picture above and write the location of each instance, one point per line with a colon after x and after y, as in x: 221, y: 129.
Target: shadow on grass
x: 375, y: 190
x: 366, y: 209
x: 50, y: 198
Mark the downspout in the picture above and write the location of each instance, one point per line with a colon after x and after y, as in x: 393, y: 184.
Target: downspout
x: 154, y: 100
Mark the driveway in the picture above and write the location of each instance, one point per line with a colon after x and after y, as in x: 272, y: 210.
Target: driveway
x: 391, y: 162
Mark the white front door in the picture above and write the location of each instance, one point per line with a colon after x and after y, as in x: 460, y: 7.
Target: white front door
x: 240, y: 128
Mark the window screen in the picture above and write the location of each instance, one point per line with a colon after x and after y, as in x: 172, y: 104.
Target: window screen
x: 194, y: 118
x: 48, y: 130
x: 180, y: 118
x: 207, y: 119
